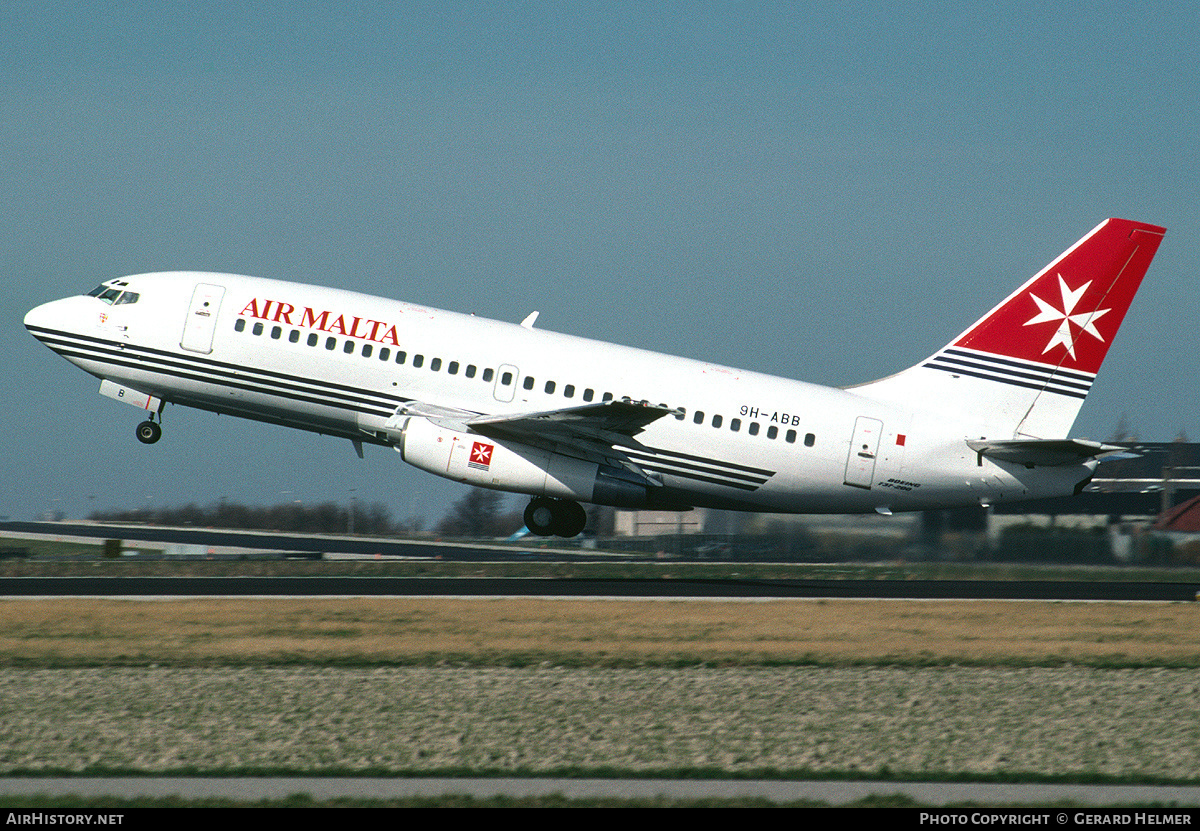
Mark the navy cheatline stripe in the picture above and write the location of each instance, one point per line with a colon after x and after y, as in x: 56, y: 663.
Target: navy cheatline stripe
x: 223, y: 368
x: 313, y: 396
x: 704, y: 460
x: 684, y: 469
x: 688, y: 474
x: 182, y: 360
x: 339, y: 402
x: 1030, y: 365
x: 1002, y: 380
x: 1045, y: 376
x: 319, y: 392
x: 712, y: 480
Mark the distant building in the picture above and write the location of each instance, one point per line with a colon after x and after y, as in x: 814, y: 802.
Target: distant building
x: 655, y: 523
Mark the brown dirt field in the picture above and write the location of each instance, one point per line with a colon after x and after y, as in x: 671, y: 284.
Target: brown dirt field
x: 504, y: 631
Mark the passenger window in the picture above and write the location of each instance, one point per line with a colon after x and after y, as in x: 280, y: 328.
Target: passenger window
x: 349, y: 347
x: 735, y: 424
x: 367, y: 350
x: 809, y: 439
x: 772, y: 431
x: 753, y: 428
x: 470, y: 371
x: 790, y: 436
x: 569, y: 391
x: 489, y: 374
x: 435, y: 364
x: 418, y: 360
x: 294, y: 336
x: 452, y: 368
x: 276, y: 332
x: 716, y: 422
x: 312, y: 339
x: 258, y: 329
x: 506, y: 379
x: 679, y: 416
x: 588, y: 395
x: 331, y: 344
x: 528, y: 382
x: 698, y: 418
x: 400, y: 356
x: 608, y: 396
x: 549, y: 387
x: 385, y: 353
x: 239, y: 325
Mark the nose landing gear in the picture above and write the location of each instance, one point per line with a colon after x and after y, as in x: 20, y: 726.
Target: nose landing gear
x: 554, y: 517
x: 148, y: 432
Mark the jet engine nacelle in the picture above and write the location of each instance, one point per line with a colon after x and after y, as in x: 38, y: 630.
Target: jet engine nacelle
x: 486, y: 463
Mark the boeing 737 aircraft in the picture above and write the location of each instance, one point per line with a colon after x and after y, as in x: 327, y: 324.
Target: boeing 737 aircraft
x: 566, y: 420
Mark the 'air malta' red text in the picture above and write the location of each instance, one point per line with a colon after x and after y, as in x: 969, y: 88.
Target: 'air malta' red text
x: 307, y: 318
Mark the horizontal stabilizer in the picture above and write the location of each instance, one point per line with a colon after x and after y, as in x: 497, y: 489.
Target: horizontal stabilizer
x: 1044, y: 452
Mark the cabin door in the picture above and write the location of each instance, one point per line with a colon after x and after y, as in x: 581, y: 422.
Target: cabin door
x: 864, y: 448
x: 201, y: 323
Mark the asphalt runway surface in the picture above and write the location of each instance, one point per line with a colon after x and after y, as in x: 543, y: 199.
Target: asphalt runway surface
x: 316, y: 545
x: 553, y: 587
x: 831, y: 792
x: 306, y: 544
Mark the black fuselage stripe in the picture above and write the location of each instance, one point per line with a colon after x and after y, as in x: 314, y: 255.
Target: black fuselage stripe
x: 1046, y: 377
x: 704, y: 460
x: 217, y: 366
x: 713, y: 468
x: 697, y: 477
x: 1011, y: 382
x: 312, y: 396
x: 995, y: 359
x: 339, y: 396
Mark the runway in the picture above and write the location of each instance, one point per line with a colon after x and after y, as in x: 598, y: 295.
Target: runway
x: 556, y: 587
x: 316, y: 546
x: 831, y: 792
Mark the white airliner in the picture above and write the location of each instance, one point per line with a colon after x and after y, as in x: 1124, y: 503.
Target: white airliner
x: 566, y: 420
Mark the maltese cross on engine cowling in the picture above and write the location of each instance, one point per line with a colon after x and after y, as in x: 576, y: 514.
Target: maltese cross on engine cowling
x: 1084, y: 322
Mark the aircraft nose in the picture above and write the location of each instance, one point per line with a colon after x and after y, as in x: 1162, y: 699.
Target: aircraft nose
x: 53, y: 316
x: 39, y: 317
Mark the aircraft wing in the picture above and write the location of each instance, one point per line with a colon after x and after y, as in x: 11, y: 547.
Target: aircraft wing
x: 594, y: 432
x: 1043, y: 452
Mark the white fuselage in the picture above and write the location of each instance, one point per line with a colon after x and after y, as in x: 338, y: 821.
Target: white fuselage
x: 326, y: 360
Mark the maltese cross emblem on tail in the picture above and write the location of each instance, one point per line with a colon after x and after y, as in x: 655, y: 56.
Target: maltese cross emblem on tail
x: 1084, y: 321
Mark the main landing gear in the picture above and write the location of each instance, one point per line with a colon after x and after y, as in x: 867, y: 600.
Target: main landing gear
x: 554, y: 517
x: 148, y: 432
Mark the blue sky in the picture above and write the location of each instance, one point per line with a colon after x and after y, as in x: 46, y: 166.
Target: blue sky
x: 827, y: 192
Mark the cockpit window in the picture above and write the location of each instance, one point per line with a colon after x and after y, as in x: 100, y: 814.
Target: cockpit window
x: 110, y: 293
